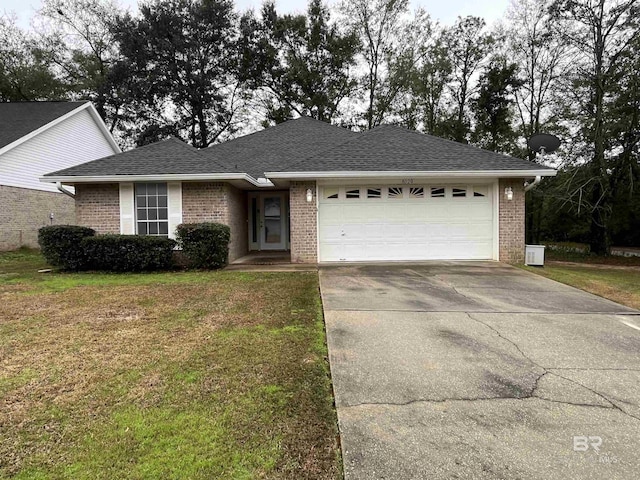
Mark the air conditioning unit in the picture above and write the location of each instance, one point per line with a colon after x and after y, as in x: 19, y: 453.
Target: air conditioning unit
x: 534, y: 255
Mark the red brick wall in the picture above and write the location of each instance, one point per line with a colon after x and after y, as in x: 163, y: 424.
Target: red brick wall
x: 24, y: 211
x: 203, y: 202
x: 98, y: 206
x: 221, y: 203
x: 304, y: 228
x: 511, y: 220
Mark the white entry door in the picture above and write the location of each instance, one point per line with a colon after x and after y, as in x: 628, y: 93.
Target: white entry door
x: 406, y: 222
x: 273, y: 219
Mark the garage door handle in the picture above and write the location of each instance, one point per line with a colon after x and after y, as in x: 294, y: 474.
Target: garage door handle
x: 342, y: 233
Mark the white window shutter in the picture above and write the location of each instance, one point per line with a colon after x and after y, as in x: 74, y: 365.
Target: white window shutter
x: 174, y: 202
x: 127, y: 206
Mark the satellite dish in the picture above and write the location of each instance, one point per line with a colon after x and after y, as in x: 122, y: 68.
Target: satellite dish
x: 543, y: 143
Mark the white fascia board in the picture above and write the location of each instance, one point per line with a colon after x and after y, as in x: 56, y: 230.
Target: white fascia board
x: 101, y: 125
x: 394, y: 174
x: 71, y: 179
x: 62, y: 118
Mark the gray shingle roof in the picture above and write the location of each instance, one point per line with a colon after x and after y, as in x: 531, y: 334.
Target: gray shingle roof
x: 304, y: 145
x: 18, y: 119
x: 276, y: 147
x: 171, y: 156
x: 393, y: 148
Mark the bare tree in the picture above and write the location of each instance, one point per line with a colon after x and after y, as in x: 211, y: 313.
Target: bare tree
x: 392, y: 43
x: 76, y: 35
x: 542, y: 61
x: 600, y: 33
x: 469, y: 45
x: 25, y: 75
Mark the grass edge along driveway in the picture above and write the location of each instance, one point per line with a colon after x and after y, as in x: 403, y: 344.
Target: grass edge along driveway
x: 619, y: 284
x: 165, y: 375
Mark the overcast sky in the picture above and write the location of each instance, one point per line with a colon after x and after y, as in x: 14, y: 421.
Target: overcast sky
x: 445, y: 11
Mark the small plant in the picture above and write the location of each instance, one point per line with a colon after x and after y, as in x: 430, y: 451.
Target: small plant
x: 128, y: 253
x: 206, y: 245
x: 61, y: 245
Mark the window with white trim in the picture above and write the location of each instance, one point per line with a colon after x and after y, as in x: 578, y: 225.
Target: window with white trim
x: 416, y: 192
x: 152, y: 216
x: 374, y: 192
x: 480, y: 190
x: 437, y: 192
x: 395, y: 192
x: 352, y: 193
x: 457, y: 192
x: 331, y: 193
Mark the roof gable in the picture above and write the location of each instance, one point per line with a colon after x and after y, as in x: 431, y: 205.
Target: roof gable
x: 18, y: 119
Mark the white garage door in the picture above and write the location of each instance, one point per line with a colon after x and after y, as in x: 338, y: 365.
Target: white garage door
x: 406, y: 222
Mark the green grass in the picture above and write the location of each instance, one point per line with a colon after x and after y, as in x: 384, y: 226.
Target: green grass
x: 620, y: 284
x: 193, y: 375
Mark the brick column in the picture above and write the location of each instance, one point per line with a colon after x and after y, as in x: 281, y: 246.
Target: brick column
x: 511, y: 221
x: 303, y: 221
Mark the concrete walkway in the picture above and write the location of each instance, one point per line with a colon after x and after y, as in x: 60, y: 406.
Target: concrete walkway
x: 480, y: 370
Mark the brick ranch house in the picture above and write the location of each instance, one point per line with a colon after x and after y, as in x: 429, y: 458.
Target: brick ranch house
x: 324, y: 193
x: 36, y: 138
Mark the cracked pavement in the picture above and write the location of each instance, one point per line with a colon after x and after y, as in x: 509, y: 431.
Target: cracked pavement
x: 479, y: 370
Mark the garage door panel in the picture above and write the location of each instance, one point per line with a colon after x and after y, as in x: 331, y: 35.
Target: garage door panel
x: 333, y: 252
x: 354, y: 252
x: 414, y: 231
x: 357, y: 232
x: 406, y: 229
x: 468, y: 211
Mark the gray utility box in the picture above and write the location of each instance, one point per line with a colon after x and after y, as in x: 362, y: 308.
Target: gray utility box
x: 534, y: 255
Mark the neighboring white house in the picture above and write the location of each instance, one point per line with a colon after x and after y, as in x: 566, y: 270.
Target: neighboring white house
x: 36, y: 138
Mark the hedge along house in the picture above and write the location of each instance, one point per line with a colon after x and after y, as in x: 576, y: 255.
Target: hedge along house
x: 324, y: 193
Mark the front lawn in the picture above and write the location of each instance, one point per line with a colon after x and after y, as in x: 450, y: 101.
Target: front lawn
x: 620, y: 284
x: 193, y: 375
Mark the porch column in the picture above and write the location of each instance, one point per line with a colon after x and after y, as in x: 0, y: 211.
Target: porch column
x: 303, y: 223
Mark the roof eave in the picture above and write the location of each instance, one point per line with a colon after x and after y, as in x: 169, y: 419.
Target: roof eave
x: 546, y: 172
x: 73, y: 179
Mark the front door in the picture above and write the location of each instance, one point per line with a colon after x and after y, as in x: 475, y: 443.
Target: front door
x: 268, y: 221
x: 273, y: 224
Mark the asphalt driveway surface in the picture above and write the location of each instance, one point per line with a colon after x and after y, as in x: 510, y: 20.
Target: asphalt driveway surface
x: 480, y: 370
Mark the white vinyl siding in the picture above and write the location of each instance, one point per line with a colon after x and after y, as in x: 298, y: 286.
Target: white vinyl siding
x: 417, y: 222
x: 73, y: 141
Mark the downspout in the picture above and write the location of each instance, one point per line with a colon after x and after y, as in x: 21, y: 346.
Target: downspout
x: 64, y: 190
x: 528, y: 186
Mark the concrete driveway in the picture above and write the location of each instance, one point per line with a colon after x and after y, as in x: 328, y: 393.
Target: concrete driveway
x: 480, y: 370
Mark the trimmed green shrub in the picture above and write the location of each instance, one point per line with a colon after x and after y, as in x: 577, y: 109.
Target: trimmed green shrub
x: 61, y: 245
x: 206, y: 245
x: 128, y: 253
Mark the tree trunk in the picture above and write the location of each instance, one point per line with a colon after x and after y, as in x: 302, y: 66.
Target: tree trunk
x: 599, y: 231
x: 599, y: 236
